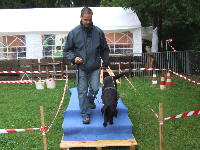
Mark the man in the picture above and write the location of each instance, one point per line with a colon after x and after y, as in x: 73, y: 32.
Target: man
x: 86, y: 46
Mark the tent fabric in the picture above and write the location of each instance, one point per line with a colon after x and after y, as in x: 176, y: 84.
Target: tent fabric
x: 148, y: 33
x: 74, y: 130
x: 154, y: 47
x: 62, y: 20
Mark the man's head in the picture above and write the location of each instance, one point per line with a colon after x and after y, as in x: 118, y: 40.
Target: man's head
x: 86, y: 17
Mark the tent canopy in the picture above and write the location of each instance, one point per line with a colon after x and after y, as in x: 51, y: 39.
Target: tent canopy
x: 62, y: 20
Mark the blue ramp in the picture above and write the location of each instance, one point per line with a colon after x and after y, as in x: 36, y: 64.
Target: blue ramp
x: 74, y: 130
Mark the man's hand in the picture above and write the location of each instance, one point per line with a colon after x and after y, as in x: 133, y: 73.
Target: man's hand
x: 78, y: 60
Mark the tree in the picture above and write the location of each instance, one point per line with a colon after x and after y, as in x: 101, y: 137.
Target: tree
x: 88, y: 3
x: 8, y: 4
x: 172, y: 18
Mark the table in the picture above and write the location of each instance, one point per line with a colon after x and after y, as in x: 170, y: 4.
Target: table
x: 45, y: 66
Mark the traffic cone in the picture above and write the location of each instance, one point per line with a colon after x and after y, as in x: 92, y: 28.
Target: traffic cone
x: 169, y: 80
x: 162, y: 82
x: 154, y: 80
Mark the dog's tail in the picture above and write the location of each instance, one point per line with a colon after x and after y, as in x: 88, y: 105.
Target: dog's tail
x: 118, y: 76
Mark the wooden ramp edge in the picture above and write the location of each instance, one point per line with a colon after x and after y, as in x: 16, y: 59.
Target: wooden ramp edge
x: 66, y: 145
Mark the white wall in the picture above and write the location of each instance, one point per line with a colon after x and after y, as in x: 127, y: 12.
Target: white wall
x: 137, y: 41
x: 33, y: 46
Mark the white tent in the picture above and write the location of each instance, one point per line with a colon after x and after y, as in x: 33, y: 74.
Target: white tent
x: 148, y: 33
x: 37, y: 21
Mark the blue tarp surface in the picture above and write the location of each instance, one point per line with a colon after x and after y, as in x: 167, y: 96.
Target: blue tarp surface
x: 74, y: 130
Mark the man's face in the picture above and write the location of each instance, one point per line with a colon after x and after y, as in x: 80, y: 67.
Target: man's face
x: 86, y: 20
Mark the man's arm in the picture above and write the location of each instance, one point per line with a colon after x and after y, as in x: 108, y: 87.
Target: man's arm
x: 104, y: 51
x: 68, y: 51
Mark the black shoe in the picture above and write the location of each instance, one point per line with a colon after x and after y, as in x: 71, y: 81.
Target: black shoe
x: 92, y: 105
x: 86, y: 120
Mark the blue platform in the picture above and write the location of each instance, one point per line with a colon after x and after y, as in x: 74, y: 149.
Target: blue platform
x: 74, y: 130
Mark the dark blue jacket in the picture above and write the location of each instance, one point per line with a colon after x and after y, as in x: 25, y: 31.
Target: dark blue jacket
x: 89, y: 44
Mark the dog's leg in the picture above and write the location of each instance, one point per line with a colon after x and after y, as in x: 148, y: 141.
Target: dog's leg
x: 105, y: 120
x: 102, y: 110
x: 103, y: 113
x: 116, y: 112
x: 111, y: 120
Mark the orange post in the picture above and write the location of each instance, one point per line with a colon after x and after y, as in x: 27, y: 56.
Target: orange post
x: 119, y: 73
x: 67, y: 76
x: 111, y: 73
x: 161, y: 123
x: 43, y: 125
x: 101, y: 75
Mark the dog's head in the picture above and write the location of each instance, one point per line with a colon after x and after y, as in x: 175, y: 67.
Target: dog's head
x: 110, y: 81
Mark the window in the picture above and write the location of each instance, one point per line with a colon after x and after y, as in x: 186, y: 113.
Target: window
x: 120, y: 42
x: 53, y: 45
x: 12, y: 47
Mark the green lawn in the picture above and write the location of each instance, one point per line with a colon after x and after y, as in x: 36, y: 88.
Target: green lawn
x: 19, y: 109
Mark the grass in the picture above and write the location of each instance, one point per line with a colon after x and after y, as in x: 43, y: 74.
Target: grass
x: 19, y: 109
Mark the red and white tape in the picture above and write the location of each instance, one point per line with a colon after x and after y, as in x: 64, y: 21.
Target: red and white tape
x: 168, y: 42
x: 184, y: 77
x: 145, y: 69
x: 156, y: 115
x: 31, y: 71
x: 65, y: 71
x: 186, y: 114
x: 22, y: 130
x: 23, y: 81
x: 61, y: 103
x: 29, y: 81
x: 181, y: 76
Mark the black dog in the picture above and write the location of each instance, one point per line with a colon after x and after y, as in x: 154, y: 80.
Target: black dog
x: 110, y: 98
